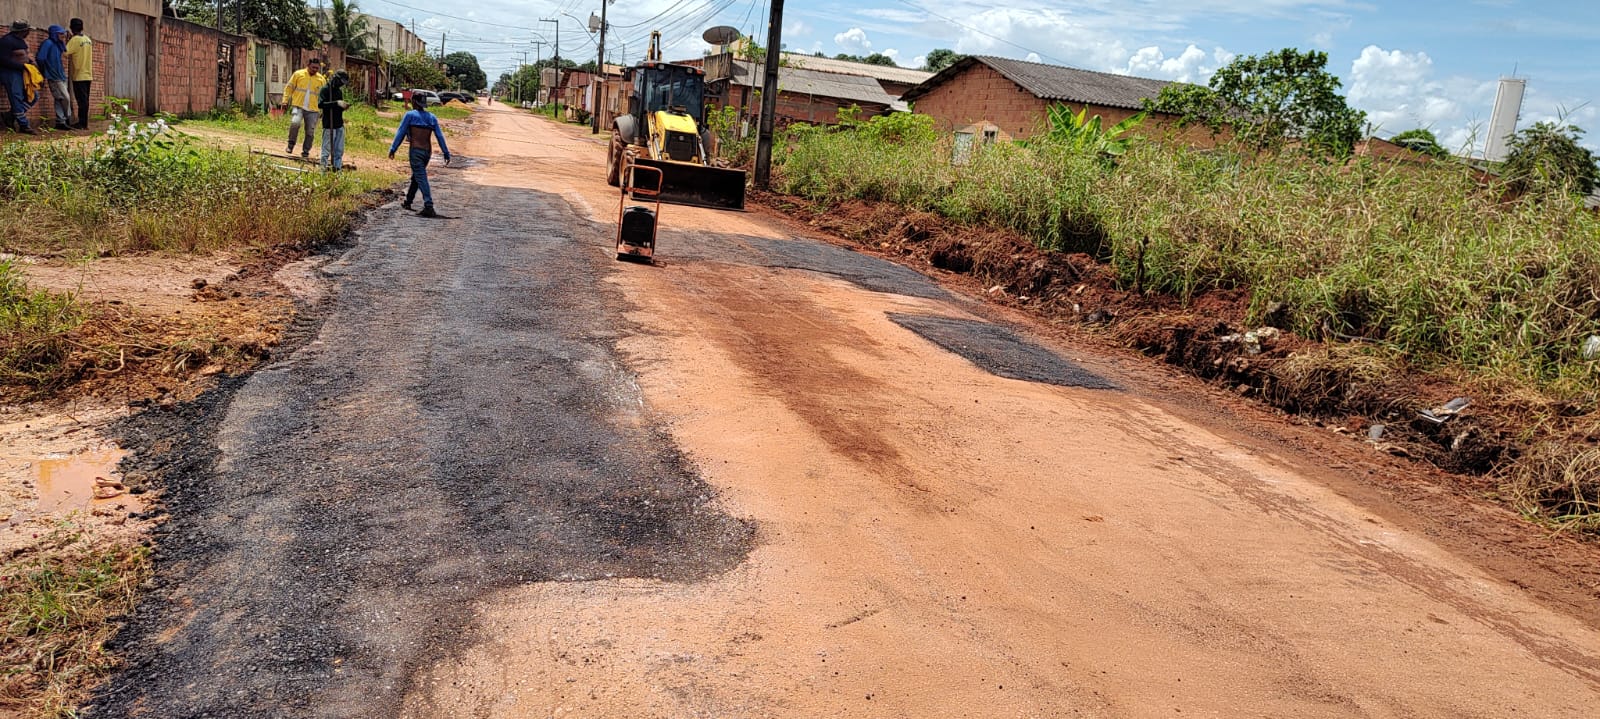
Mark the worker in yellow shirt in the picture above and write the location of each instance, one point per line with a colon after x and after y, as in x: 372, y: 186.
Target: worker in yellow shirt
x: 300, y: 97
x: 80, y: 70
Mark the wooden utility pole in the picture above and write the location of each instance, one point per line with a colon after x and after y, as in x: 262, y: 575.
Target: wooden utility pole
x: 556, y: 88
x: 769, y: 97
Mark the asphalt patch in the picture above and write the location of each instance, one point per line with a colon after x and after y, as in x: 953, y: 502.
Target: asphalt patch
x: 1000, y: 351
x: 455, y: 421
x: 864, y: 271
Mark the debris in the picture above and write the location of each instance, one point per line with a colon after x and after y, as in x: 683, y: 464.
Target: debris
x: 199, y: 283
x: 1375, y: 432
x: 1438, y: 415
x: 997, y: 288
x: 1253, y: 341
x: 1098, y: 317
x: 1591, y: 348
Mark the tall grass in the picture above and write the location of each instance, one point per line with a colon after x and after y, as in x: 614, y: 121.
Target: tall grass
x: 92, y: 200
x: 33, y: 329
x: 1424, y: 258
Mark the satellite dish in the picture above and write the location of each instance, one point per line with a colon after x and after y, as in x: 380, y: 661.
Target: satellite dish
x: 720, y: 35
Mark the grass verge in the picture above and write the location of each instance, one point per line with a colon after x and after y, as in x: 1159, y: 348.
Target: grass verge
x: 368, y: 131
x: 60, y: 601
x: 1399, y: 281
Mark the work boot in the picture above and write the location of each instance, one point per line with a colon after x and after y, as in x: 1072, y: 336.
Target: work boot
x: 427, y: 211
x: 406, y: 205
x: 289, y: 150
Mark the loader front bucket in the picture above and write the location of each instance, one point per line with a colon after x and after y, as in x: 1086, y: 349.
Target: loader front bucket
x: 683, y: 183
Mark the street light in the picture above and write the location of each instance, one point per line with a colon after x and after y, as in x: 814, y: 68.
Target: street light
x: 556, y: 88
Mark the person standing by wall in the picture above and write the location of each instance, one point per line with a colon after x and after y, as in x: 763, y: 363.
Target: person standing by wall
x: 332, y: 104
x: 80, y: 69
x: 53, y: 64
x: 420, y: 127
x: 300, y: 96
x: 13, y: 66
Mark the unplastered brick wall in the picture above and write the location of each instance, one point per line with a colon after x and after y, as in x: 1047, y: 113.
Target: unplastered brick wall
x: 189, y: 66
x: 982, y: 95
x: 43, y: 112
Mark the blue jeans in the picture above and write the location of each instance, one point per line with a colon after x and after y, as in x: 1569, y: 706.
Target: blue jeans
x: 419, y: 177
x: 15, y: 94
x: 333, y: 148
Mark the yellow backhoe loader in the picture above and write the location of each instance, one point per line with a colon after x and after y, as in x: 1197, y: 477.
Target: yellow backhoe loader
x: 664, y: 128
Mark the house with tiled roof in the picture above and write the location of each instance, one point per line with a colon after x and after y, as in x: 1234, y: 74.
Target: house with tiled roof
x: 998, y: 98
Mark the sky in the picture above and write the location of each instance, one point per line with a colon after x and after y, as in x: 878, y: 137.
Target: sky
x: 1417, y: 63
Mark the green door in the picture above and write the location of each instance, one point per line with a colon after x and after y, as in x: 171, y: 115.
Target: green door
x: 258, y: 91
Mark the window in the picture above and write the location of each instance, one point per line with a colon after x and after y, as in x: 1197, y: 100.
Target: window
x: 990, y: 135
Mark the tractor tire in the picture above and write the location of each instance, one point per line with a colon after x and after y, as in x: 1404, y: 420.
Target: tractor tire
x: 614, y: 160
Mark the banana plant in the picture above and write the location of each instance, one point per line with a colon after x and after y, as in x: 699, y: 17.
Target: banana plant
x: 1082, y: 133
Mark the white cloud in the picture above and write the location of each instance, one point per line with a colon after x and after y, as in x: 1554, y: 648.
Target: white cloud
x: 1034, y: 57
x: 796, y: 28
x: 892, y: 54
x: 1398, y: 91
x: 1191, y: 65
x: 853, y: 41
x: 919, y: 61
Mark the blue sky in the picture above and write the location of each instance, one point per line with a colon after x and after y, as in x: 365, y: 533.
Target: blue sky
x: 1419, y: 63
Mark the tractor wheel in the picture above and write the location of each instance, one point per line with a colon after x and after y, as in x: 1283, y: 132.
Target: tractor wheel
x: 614, y: 160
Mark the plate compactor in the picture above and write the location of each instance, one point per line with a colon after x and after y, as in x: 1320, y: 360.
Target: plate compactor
x: 636, y: 224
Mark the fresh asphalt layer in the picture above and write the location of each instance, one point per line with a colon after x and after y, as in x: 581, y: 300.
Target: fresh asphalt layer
x: 455, y: 421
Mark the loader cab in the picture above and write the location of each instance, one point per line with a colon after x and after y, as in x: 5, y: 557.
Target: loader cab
x: 663, y: 86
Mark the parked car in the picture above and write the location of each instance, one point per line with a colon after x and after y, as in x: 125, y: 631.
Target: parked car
x: 462, y: 97
x: 431, y: 96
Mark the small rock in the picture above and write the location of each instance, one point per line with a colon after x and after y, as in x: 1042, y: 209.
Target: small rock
x: 199, y: 283
x: 1375, y: 432
x: 1591, y: 348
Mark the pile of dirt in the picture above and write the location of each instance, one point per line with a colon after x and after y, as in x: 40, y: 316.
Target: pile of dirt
x: 1341, y: 383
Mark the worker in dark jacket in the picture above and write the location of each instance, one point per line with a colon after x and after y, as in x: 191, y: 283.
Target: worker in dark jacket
x: 13, y: 64
x: 330, y: 100
x: 419, y: 127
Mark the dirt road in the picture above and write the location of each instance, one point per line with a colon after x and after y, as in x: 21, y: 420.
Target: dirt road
x: 509, y: 477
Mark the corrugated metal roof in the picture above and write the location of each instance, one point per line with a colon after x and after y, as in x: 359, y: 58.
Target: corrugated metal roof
x: 846, y: 67
x: 856, y: 88
x: 1055, y: 82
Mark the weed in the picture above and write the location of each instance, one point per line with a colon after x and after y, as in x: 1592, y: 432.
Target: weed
x: 58, y: 601
x: 33, y: 330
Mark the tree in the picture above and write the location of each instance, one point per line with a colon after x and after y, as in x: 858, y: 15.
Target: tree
x: 1269, y: 99
x: 940, y: 58
x: 462, y: 69
x: 876, y: 58
x: 416, y: 69
x: 283, y: 21
x: 1421, y: 141
x: 349, y: 27
x: 1548, y: 158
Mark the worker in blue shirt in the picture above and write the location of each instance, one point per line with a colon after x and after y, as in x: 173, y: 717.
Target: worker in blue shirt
x: 420, y: 127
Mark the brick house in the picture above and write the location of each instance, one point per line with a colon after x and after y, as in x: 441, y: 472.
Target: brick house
x: 809, y: 96
x: 998, y: 98
x: 126, y: 36
x: 893, y: 79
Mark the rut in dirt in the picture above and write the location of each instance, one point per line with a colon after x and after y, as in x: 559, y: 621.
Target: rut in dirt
x: 461, y: 423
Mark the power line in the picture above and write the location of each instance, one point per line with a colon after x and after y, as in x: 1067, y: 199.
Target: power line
x: 658, y: 16
x: 958, y: 23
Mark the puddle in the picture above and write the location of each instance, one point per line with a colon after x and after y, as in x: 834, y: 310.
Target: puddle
x: 83, y: 481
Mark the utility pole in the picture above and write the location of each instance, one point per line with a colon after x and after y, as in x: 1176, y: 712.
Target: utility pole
x: 769, y: 97
x: 538, y: 59
x: 556, y: 88
x: 600, y: 74
x: 442, y: 37
x: 518, y: 76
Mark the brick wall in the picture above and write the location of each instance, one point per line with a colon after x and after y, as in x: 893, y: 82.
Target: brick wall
x: 190, y: 66
x: 43, y: 112
x: 982, y: 95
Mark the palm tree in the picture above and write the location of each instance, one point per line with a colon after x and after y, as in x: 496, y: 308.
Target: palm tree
x: 349, y: 27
